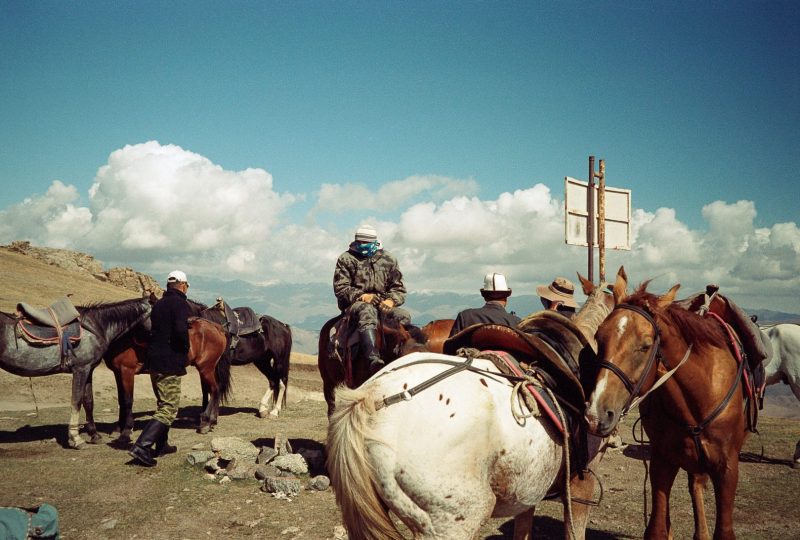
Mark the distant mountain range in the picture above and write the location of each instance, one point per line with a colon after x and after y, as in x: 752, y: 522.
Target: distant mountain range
x: 307, y: 307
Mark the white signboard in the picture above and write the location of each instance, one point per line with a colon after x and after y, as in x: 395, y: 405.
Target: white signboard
x: 576, y: 215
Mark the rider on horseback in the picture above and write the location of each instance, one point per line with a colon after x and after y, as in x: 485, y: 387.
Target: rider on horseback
x: 367, y: 278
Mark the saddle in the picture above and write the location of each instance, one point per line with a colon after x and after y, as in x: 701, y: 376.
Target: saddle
x: 57, y: 324
x: 546, y: 342
x: 240, y: 321
x: 549, y: 346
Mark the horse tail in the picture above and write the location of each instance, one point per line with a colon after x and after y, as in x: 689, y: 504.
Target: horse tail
x: 353, y: 479
x: 222, y: 371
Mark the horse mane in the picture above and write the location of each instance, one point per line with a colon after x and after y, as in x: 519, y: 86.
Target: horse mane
x: 695, y: 329
x: 101, y: 304
x: 198, y: 305
x: 593, y: 312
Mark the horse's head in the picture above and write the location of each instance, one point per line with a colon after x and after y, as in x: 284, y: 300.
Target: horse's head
x: 628, y: 347
x: 398, y: 338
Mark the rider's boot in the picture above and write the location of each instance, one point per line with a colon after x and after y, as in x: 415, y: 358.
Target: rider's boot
x: 369, y: 350
x: 162, y: 444
x: 142, y: 451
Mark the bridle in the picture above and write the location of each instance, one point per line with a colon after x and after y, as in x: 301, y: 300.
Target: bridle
x: 653, y: 359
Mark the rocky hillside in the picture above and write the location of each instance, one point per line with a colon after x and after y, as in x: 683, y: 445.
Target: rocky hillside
x: 81, y: 263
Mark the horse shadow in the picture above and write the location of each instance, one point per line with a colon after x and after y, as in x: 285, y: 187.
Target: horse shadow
x: 28, y: 433
x: 301, y: 446
x: 751, y: 457
x: 547, y: 527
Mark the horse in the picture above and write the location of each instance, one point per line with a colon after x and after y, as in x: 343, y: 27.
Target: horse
x: 394, y: 340
x: 269, y: 349
x: 785, y: 364
x: 436, y: 333
x: 101, y: 324
x: 446, y: 459
x: 207, y: 343
x: 694, y: 415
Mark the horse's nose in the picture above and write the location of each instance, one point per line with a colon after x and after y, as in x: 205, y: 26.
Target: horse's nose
x: 609, y: 420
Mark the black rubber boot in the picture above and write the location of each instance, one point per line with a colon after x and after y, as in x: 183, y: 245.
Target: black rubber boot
x: 369, y: 350
x: 162, y: 445
x: 142, y: 451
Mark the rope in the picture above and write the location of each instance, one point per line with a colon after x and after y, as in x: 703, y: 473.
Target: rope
x: 35, y: 403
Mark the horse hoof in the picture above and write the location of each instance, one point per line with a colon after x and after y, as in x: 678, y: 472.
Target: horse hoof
x: 203, y: 430
x: 96, y: 439
x: 274, y: 414
x: 796, y: 465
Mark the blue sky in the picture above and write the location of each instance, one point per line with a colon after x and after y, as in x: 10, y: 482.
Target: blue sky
x: 396, y: 113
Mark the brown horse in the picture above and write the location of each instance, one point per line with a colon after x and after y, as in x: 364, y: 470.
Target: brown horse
x: 207, y: 342
x: 694, y: 414
x: 394, y: 340
x: 437, y: 333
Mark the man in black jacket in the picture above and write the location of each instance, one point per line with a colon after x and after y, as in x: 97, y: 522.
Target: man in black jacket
x: 496, y: 292
x: 166, y: 360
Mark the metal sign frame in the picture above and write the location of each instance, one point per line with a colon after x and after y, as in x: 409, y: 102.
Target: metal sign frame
x: 617, y: 215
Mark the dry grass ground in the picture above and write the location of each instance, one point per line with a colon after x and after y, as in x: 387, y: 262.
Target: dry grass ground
x: 100, y: 496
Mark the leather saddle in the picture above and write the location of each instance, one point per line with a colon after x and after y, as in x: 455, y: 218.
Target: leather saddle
x: 546, y: 341
x: 57, y: 324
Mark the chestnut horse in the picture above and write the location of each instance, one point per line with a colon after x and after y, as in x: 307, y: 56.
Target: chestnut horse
x: 437, y: 333
x: 207, y: 343
x: 694, y: 414
x: 394, y: 340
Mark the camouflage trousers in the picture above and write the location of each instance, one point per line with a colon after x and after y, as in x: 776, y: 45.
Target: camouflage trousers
x: 167, y: 389
x: 366, y: 315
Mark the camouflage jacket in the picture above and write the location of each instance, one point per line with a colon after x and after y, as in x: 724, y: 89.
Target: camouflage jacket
x: 356, y: 275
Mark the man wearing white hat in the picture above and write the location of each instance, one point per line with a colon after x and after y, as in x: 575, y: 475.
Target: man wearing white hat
x: 367, y: 276
x: 166, y: 360
x: 496, y: 292
x: 558, y: 296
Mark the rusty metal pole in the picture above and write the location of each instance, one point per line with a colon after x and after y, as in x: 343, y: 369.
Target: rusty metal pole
x: 590, y: 218
x: 601, y: 219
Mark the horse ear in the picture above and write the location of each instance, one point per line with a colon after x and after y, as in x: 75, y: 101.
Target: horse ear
x: 667, y: 299
x: 588, y: 286
x: 620, y: 286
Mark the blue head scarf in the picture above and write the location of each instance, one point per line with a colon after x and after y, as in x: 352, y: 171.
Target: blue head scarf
x: 367, y: 249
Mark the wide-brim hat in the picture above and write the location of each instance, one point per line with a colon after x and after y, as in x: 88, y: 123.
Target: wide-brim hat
x: 560, y: 290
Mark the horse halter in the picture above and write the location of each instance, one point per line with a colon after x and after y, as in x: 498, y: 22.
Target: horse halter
x: 652, y: 359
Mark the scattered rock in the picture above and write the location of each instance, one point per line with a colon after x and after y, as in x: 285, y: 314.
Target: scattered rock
x: 293, y: 463
x: 267, y: 454
x: 282, y: 484
x: 198, y: 457
x: 319, y: 483
x: 262, y: 471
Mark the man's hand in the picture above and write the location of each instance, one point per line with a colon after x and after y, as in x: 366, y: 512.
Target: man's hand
x: 388, y: 303
x: 367, y: 298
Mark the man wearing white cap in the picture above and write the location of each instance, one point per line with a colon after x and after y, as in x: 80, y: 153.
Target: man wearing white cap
x: 367, y: 276
x: 166, y: 359
x: 496, y: 292
x: 558, y: 296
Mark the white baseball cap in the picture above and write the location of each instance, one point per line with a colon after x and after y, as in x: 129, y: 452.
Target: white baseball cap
x: 176, y: 276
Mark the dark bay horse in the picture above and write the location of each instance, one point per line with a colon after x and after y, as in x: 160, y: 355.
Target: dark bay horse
x: 694, y: 414
x: 394, y: 340
x: 101, y: 324
x: 208, y: 341
x: 268, y: 349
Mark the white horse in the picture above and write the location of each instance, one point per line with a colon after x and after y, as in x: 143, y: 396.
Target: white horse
x: 784, y: 366
x: 449, y: 457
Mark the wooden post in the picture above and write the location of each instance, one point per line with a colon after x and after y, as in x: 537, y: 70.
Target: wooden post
x: 601, y: 219
x: 590, y: 218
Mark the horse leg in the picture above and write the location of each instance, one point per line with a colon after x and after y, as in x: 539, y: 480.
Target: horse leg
x: 125, y: 379
x: 796, y: 459
x: 205, y: 417
x: 88, y: 407
x: 267, y: 405
x: 583, y: 489
x: 662, y: 476
x: 280, y: 400
x: 725, y: 480
x: 523, y: 524
x: 697, y: 486
x: 74, y: 439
